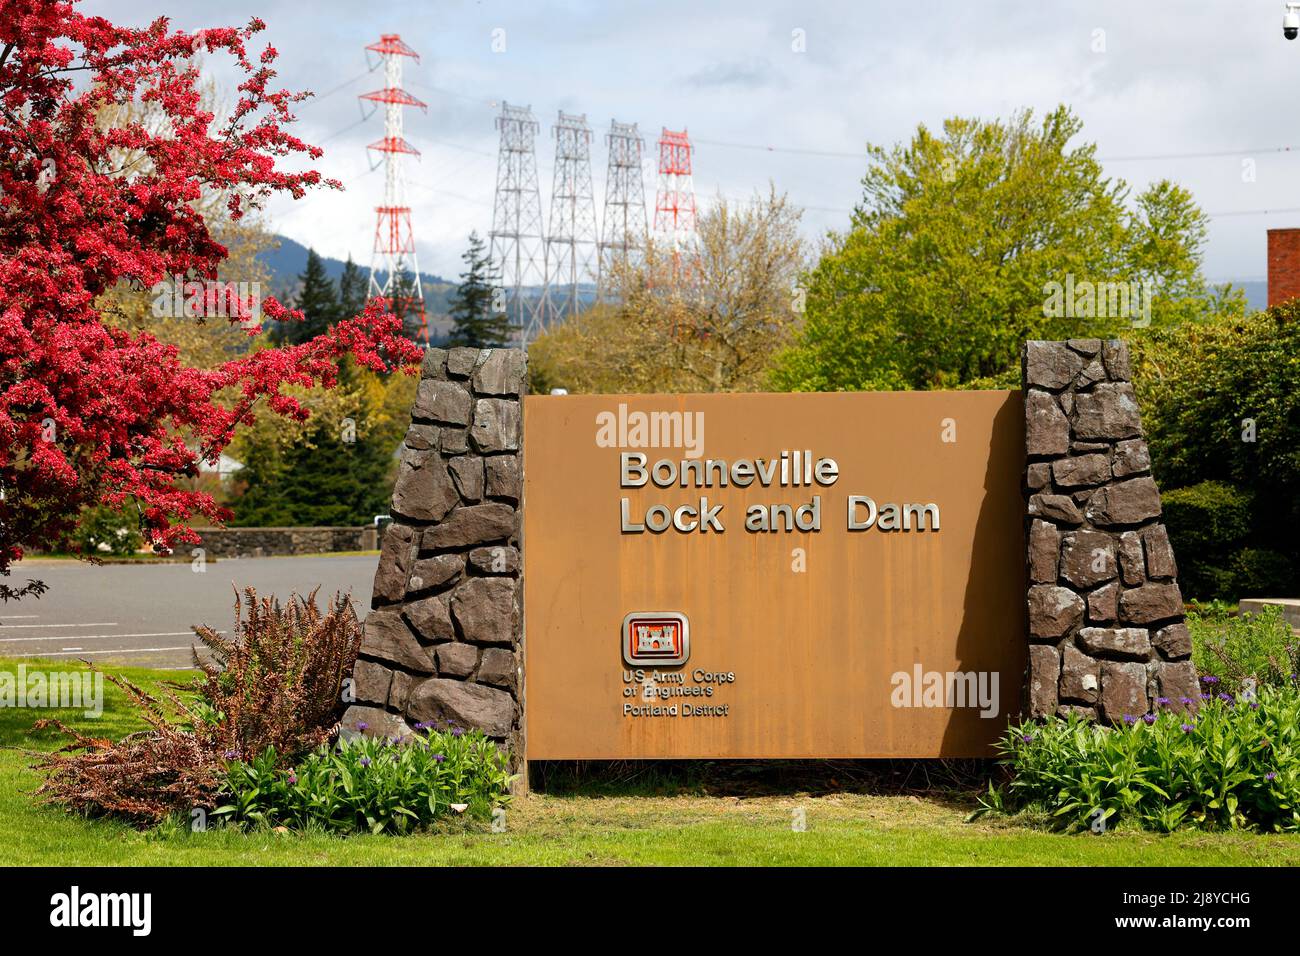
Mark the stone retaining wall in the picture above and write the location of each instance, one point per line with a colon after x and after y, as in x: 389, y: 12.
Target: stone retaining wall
x: 1106, y: 630
x: 444, y: 641
x: 256, y: 542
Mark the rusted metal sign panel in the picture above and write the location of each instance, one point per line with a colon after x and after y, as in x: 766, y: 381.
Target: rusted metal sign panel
x: 795, y: 575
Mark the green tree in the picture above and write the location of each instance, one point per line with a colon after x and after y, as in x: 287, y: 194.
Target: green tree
x: 333, y: 471
x: 353, y: 286
x: 968, y: 242
x: 404, y: 301
x: 1221, y: 408
x: 475, y: 323
x: 317, y: 299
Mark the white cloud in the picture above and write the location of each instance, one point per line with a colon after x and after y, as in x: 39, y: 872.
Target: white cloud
x: 1190, y: 77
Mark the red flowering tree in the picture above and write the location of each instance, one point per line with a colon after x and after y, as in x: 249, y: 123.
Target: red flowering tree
x: 91, y: 414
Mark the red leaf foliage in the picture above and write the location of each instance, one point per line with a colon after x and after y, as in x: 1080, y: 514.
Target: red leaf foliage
x: 94, y: 414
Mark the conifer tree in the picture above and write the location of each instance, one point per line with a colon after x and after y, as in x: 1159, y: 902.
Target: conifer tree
x: 475, y: 323
x: 318, y: 300
x: 352, y: 289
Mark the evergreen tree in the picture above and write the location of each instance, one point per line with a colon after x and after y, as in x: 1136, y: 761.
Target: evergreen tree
x: 404, y: 302
x: 318, y: 300
x: 474, y: 321
x: 260, y: 504
x: 352, y: 290
x: 336, y: 473
x: 329, y: 480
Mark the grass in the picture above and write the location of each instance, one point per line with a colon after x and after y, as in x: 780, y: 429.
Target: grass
x: 690, y: 828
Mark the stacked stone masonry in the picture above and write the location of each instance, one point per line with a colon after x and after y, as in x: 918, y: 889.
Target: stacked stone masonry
x: 1107, y: 636
x: 258, y: 542
x: 443, y: 642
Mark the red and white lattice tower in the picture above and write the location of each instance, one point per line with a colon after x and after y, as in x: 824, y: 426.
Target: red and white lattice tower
x: 394, y: 253
x: 675, y: 199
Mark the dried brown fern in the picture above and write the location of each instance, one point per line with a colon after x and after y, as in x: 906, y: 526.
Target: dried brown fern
x: 143, y: 777
x: 276, y: 682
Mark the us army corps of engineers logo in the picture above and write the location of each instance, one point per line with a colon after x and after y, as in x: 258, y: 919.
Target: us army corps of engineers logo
x: 657, y: 638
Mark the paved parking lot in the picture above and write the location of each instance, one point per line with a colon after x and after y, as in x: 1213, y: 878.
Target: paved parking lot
x: 143, y: 614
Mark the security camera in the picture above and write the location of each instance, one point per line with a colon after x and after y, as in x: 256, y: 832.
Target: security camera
x: 1291, y: 21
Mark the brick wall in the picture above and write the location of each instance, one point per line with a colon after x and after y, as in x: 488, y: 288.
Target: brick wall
x: 1283, y: 265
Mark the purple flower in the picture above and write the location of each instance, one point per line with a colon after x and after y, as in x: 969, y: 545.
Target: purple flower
x: 1188, y: 728
x: 1186, y: 701
x: 1130, y: 719
x: 1226, y: 698
x: 365, y: 761
x: 232, y: 754
x: 293, y: 778
x: 1254, y: 705
x: 422, y: 725
x: 1207, y: 679
x: 1149, y: 718
x: 1027, y: 738
x: 362, y: 725
x: 438, y: 758
x: 456, y: 732
x: 1206, y: 697
x: 1162, y: 701
x: 1270, y: 775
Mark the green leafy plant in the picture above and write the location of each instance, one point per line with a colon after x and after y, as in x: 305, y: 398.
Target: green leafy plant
x: 1221, y: 408
x: 1234, y: 764
x: 103, y: 530
x: 368, y: 785
x: 1238, y: 647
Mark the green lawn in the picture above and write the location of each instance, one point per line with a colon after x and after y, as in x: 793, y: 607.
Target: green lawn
x: 842, y: 829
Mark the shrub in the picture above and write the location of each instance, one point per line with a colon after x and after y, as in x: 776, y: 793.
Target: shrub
x: 371, y: 785
x: 1260, y: 572
x: 1232, y: 765
x: 1234, y: 648
x: 1210, y: 525
x: 1207, y: 523
x: 103, y: 530
x: 275, y: 684
x: 278, y: 680
x: 1211, y: 517
x: 1221, y: 402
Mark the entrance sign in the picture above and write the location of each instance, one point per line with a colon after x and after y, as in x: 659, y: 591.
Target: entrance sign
x: 773, y: 575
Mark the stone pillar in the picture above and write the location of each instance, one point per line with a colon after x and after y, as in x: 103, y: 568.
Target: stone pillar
x: 444, y: 639
x: 1106, y: 630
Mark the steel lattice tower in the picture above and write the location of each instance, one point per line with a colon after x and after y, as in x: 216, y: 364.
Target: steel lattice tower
x: 624, y: 223
x: 571, y: 238
x: 517, y: 218
x: 675, y: 200
x: 394, y: 250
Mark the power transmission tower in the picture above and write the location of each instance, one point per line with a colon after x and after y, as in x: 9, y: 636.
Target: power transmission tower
x: 517, y: 219
x: 624, y: 222
x: 394, y: 252
x: 675, y: 199
x: 571, y: 237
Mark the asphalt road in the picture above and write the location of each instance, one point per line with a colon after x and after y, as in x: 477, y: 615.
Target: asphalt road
x: 143, y: 614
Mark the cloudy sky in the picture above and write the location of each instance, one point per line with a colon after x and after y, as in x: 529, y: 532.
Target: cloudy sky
x: 1201, y: 91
